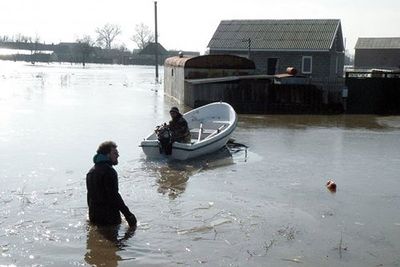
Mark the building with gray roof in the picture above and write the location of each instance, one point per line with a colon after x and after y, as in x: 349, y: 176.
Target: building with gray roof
x: 314, y: 47
x: 381, y: 53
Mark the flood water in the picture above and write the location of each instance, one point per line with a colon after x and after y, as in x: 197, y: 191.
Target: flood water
x: 264, y: 207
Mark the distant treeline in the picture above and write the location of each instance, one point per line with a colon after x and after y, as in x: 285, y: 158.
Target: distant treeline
x: 81, y: 52
x: 27, y: 46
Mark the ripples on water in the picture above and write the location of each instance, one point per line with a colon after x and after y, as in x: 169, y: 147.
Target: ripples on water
x: 264, y: 206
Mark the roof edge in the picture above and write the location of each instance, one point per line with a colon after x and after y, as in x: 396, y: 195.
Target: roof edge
x: 334, y: 36
x: 239, y: 20
x: 268, y: 50
x: 361, y: 39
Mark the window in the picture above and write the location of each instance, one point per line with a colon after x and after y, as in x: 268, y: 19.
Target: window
x: 306, y: 65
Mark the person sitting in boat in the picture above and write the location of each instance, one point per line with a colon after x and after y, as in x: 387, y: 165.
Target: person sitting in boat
x: 179, y: 127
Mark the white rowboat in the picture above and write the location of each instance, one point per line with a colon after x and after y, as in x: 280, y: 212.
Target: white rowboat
x: 210, y: 127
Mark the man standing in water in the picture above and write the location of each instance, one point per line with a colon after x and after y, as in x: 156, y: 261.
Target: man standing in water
x: 104, y: 201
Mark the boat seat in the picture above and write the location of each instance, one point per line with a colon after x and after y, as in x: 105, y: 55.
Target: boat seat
x: 210, y: 131
x: 222, y: 122
x: 207, y: 133
x: 204, y: 131
x: 216, y: 131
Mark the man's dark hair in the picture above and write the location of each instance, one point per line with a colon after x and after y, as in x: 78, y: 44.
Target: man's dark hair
x: 105, y: 147
x: 174, y: 109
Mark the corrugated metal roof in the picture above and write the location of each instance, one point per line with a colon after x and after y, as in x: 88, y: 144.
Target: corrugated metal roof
x: 378, y: 43
x: 275, y: 34
x: 176, y: 61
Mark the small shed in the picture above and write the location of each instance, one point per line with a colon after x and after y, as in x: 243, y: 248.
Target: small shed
x: 382, y: 53
x: 179, y: 69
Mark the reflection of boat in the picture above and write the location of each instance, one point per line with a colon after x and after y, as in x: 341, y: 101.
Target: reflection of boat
x: 172, y: 179
x: 172, y: 176
x: 210, y: 126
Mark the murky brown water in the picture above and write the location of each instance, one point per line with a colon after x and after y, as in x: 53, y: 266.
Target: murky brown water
x: 269, y: 208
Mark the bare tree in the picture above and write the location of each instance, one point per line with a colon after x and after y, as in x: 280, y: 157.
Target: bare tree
x: 34, y: 47
x: 86, y: 39
x: 122, y: 47
x: 107, y: 34
x: 22, y: 38
x: 84, y: 48
x: 5, y: 38
x: 143, y: 35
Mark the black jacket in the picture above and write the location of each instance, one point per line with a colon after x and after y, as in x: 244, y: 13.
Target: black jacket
x: 180, y: 129
x: 104, y: 201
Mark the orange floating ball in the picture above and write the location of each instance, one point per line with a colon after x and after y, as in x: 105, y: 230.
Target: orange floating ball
x: 331, y: 185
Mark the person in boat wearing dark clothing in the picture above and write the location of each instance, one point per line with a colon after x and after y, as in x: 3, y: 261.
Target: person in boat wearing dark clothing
x: 104, y: 201
x: 179, y: 127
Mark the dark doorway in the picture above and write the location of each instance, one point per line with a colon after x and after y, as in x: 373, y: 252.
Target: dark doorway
x: 272, y: 66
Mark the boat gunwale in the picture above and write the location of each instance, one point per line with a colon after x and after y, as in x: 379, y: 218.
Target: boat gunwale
x: 196, y: 146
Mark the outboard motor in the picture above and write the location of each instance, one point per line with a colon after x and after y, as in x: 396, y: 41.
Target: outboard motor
x: 164, y: 136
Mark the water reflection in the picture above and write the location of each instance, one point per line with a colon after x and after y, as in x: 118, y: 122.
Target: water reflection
x: 172, y: 176
x: 104, y: 243
x: 172, y: 179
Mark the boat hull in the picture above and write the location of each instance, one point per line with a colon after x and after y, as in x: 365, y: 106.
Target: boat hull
x: 183, y: 151
x: 213, y: 116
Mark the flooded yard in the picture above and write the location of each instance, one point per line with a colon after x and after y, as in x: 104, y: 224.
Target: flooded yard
x: 267, y: 206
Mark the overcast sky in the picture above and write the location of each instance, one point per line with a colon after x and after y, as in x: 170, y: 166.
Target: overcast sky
x: 189, y: 24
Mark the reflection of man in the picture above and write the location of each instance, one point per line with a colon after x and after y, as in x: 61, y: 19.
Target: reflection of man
x: 103, y: 244
x: 104, y: 201
x: 179, y: 126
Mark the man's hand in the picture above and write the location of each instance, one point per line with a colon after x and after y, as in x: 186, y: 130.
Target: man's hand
x: 131, y: 219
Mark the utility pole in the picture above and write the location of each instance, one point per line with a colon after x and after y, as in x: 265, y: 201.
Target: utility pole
x: 156, y: 37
